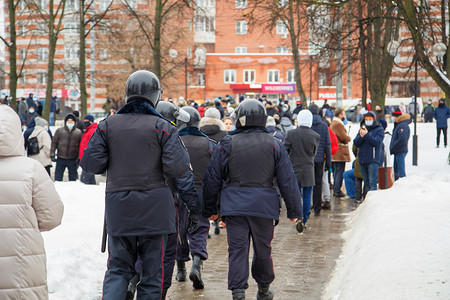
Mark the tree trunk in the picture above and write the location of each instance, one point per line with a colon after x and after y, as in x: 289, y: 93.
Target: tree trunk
x: 83, y: 90
x: 362, y: 54
x: 12, y: 55
x: 157, y: 39
x: 52, y: 39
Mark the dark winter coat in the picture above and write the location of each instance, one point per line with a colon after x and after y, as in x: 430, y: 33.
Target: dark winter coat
x: 65, y: 142
x: 400, y: 135
x: 301, y: 144
x: 213, y: 128
x: 297, y: 109
x: 428, y: 110
x: 245, y: 200
x: 441, y: 114
x: 31, y: 103
x: 154, y: 150
x: 324, y: 150
x: 274, y: 131
x: 271, y: 110
x: 369, y: 146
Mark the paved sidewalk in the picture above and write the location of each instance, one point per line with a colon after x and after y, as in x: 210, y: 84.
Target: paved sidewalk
x: 302, y: 262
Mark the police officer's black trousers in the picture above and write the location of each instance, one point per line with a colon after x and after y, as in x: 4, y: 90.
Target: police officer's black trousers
x: 239, y: 231
x: 317, y: 190
x: 123, y: 252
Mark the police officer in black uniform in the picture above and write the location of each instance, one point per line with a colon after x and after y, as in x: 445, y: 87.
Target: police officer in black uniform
x: 200, y: 149
x: 137, y: 148
x: 249, y: 159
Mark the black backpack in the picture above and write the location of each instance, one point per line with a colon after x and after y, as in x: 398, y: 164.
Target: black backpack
x: 33, y: 145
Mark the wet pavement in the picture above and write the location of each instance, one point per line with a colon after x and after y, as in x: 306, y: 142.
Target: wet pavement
x: 302, y: 262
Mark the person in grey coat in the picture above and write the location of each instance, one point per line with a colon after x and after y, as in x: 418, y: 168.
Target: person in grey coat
x: 301, y: 144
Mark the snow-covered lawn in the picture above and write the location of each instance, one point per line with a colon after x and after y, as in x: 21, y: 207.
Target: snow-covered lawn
x: 398, y: 241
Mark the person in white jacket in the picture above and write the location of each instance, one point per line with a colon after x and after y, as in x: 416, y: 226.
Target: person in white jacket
x: 29, y: 204
x: 44, y: 141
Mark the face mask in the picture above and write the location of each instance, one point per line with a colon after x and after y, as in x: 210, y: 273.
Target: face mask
x: 378, y: 110
x: 70, y: 125
x: 369, y: 122
x: 87, y: 124
x: 345, y: 121
x: 392, y: 119
x: 429, y: 102
x: 441, y: 104
x: 285, y: 109
x: 31, y: 111
x: 46, y: 128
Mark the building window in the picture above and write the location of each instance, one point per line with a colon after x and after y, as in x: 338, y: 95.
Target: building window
x: 72, y: 4
x: 201, y: 79
x: 22, y: 5
x: 249, y: 76
x: 281, y: 28
x: 23, y: 79
x: 322, y: 79
x: 204, y: 24
x: 282, y: 49
x: 22, y: 53
x: 42, y: 53
x: 241, y: 3
x: 132, y: 4
x: 205, y: 3
x: 42, y: 4
x: 22, y: 30
x: 241, y: 27
x: 42, y: 78
x: 41, y: 28
x: 72, y: 78
x: 402, y: 89
x: 103, y: 54
x: 282, y: 3
x: 241, y: 50
x: 189, y: 52
x: 290, y: 75
x: 273, y: 76
x: 72, y: 52
x: 104, y: 4
x: 71, y: 27
x: 230, y: 76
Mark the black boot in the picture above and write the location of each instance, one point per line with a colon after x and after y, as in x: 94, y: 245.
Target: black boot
x: 181, y: 273
x: 132, y: 287
x: 263, y: 292
x: 216, y: 226
x: 238, y: 294
x: 195, y: 274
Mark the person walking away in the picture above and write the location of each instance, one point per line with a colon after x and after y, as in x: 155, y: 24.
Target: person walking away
x: 322, y: 160
x: 29, y: 205
x: 53, y: 110
x: 66, y: 145
x: 212, y: 126
x: 326, y: 180
x: 441, y: 114
x: 343, y: 154
x: 90, y: 126
x: 249, y: 204
x: 301, y: 145
x: 38, y: 144
x: 22, y: 110
x: 369, y: 141
x: 399, y: 142
x: 200, y: 149
x: 142, y: 148
x: 271, y: 127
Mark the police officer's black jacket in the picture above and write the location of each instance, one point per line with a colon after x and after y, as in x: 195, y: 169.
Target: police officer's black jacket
x: 137, y: 148
x: 248, y: 160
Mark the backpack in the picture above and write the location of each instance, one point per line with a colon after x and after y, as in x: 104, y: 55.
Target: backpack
x: 33, y: 146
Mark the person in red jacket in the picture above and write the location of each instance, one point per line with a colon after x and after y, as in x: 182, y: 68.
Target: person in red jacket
x: 90, y: 126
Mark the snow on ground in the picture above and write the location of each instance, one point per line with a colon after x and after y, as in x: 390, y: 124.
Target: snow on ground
x: 397, y: 245
x: 75, y: 265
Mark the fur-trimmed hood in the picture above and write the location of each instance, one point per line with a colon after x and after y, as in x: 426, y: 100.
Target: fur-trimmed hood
x: 403, y: 118
x: 207, y: 121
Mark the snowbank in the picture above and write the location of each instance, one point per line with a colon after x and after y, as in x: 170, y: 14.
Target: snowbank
x: 397, y: 245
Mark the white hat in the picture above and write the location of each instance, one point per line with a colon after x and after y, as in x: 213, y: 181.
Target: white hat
x: 305, y: 118
x: 212, y: 113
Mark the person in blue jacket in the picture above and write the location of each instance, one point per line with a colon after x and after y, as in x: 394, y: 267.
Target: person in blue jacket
x: 138, y: 148
x: 399, y: 142
x: 441, y: 114
x: 248, y: 160
x: 369, y: 141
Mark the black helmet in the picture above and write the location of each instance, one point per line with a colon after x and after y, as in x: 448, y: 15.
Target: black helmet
x: 143, y: 85
x: 194, y: 118
x: 167, y: 110
x: 251, y: 113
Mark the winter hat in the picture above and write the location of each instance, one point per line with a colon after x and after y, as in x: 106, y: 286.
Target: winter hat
x: 305, y: 118
x: 212, y: 113
x: 314, y: 109
x: 76, y: 113
x: 89, y: 118
x: 371, y: 114
x: 70, y: 117
x: 270, y: 121
x: 396, y: 113
x: 40, y: 121
x: 383, y: 123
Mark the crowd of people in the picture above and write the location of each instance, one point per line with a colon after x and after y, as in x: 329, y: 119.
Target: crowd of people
x: 174, y: 167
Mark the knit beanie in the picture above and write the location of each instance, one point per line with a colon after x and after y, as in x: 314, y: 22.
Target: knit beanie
x: 40, y: 121
x: 314, y: 109
x: 396, y: 113
x: 89, y: 118
x: 212, y: 113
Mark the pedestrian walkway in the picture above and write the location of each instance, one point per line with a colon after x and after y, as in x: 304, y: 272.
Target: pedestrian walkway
x: 302, y: 262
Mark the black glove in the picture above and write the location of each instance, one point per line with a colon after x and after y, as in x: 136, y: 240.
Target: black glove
x: 327, y: 167
x: 77, y: 161
x: 53, y: 158
x: 192, y: 224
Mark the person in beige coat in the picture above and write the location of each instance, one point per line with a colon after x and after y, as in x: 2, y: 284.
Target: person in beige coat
x: 29, y: 204
x: 44, y: 141
x: 343, y: 154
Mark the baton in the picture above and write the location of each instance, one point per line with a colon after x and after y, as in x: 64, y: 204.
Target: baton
x: 104, y: 236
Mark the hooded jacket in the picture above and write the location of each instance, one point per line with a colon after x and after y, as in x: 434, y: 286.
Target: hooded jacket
x: 343, y: 153
x: 324, y: 149
x: 86, y: 137
x: 441, y: 114
x: 370, y: 145
x: 29, y: 204
x: 67, y: 143
x: 213, y: 128
x: 400, y: 135
x: 44, y: 142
